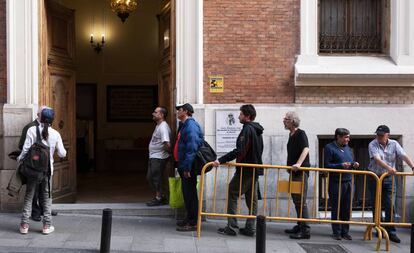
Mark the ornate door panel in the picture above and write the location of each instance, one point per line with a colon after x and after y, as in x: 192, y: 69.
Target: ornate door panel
x: 57, y: 90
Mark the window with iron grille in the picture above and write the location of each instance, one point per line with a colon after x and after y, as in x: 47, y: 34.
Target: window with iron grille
x: 352, y: 26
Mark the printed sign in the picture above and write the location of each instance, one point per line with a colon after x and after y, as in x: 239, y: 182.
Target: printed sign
x: 228, y: 128
x: 216, y: 84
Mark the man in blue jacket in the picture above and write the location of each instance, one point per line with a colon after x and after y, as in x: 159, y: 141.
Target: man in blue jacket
x: 338, y: 155
x: 189, y: 140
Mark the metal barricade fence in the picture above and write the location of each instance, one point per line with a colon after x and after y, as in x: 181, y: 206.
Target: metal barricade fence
x: 290, y: 187
x: 397, y: 197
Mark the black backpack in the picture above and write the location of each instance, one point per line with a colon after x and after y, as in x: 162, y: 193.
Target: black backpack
x: 205, y: 154
x: 36, y: 163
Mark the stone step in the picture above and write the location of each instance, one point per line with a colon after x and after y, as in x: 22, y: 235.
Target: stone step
x: 118, y: 209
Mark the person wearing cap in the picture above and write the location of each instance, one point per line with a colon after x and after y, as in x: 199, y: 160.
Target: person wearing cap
x: 383, y: 154
x: 338, y: 155
x: 37, y: 210
x: 188, y: 142
x: 53, y: 140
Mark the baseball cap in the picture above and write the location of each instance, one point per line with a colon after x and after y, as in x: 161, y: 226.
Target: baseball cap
x: 382, y: 129
x: 186, y: 107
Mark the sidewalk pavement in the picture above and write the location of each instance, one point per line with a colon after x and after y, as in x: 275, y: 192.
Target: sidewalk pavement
x: 81, y: 233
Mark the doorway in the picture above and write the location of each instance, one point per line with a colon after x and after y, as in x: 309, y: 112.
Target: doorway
x: 111, y: 94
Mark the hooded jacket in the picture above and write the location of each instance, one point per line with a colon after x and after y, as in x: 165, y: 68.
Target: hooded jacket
x: 191, y: 138
x: 249, y: 148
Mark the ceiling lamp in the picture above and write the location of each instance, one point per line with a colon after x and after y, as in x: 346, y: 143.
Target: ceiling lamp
x: 123, y: 7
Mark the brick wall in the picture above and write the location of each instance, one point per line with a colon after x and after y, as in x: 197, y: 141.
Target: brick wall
x: 3, y: 53
x: 253, y: 45
x: 354, y: 95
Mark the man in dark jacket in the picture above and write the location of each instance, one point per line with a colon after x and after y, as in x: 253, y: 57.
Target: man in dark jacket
x: 189, y: 140
x: 249, y: 149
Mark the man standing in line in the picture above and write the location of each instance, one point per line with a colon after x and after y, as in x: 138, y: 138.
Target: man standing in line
x: 188, y: 142
x: 37, y: 210
x: 159, y: 153
x: 383, y: 154
x: 249, y: 149
x: 338, y: 155
x: 298, y: 156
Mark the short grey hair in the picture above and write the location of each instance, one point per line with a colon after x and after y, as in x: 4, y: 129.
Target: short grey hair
x: 294, y: 117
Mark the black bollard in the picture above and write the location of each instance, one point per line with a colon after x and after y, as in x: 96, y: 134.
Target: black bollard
x: 412, y: 238
x: 260, y: 234
x: 106, y: 230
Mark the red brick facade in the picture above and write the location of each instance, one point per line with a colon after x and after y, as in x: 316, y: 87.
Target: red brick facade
x: 253, y: 44
x: 3, y: 53
x: 354, y: 95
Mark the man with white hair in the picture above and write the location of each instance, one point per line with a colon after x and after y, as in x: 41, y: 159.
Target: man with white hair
x: 298, y: 156
x: 36, y: 208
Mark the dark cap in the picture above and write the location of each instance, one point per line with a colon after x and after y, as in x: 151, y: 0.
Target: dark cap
x: 383, y: 129
x: 186, y: 107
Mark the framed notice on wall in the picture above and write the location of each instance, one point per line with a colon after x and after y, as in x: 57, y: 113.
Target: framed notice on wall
x: 127, y: 103
x: 228, y: 128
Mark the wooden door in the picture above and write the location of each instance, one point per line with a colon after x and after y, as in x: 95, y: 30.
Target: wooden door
x: 57, y: 89
x: 166, y: 73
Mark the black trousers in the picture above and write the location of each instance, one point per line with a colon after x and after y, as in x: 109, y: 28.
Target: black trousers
x: 189, y: 188
x: 37, y: 209
x: 345, y: 205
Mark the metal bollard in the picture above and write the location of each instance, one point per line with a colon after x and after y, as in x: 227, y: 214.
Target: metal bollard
x: 412, y: 238
x: 260, y: 234
x: 106, y: 230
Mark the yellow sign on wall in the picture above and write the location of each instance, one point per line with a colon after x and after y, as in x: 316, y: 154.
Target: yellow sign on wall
x: 216, y: 84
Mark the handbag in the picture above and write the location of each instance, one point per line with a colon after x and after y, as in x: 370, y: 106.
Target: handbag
x: 205, y: 154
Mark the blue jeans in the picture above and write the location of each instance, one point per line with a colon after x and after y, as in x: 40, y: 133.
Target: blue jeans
x: 386, y: 200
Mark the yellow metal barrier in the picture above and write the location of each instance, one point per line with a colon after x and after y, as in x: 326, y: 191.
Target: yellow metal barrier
x: 293, y: 187
x: 392, y: 222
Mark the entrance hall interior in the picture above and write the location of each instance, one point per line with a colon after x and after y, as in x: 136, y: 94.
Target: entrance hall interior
x: 123, y: 70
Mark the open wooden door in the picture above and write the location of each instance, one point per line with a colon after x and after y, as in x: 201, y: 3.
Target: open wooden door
x: 166, y: 74
x: 57, y: 89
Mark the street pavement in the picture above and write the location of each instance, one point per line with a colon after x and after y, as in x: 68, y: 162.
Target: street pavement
x: 81, y: 233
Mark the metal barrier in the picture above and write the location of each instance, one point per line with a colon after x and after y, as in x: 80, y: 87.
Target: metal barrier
x: 291, y: 187
x: 393, y: 220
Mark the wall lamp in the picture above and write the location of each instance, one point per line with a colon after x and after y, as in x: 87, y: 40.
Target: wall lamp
x: 98, y: 46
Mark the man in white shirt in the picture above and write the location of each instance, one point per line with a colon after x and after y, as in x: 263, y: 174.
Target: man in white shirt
x: 159, y: 154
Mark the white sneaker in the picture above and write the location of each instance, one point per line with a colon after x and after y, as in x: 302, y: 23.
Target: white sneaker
x: 47, y: 229
x: 24, y: 228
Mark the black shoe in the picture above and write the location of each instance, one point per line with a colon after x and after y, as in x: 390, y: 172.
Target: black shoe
x: 293, y: 230
x: 300, y: 235
x: 36, y: 218
x: 54, y: 213
x: 336, y: 237
x: 246, y: 232
x: 187, y: 228
x: 226, y: 231
x: 347, y: 237
x: 182, y: 223
x: 156, y: 202
x: 394, y: 238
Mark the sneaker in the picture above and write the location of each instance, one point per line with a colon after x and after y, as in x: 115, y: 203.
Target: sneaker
x: 293, y: 230
x: 394, y: 238
x: 157, y: 202
x: 300, y: 235
x: 47, y: 229
x: 246, y: 232
x: 347, y: 237
x: 187, y: 228
x: 336, y: 237
x: 24, y: 228
x: 226, y: 231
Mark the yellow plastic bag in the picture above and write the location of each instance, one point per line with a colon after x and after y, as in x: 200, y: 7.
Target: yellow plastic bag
x: 176, y: 194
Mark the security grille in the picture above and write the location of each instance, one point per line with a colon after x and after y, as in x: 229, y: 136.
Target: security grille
x: 350, y: 26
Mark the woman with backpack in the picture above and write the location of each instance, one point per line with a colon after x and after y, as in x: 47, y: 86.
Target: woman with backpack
x: 37, y: 158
